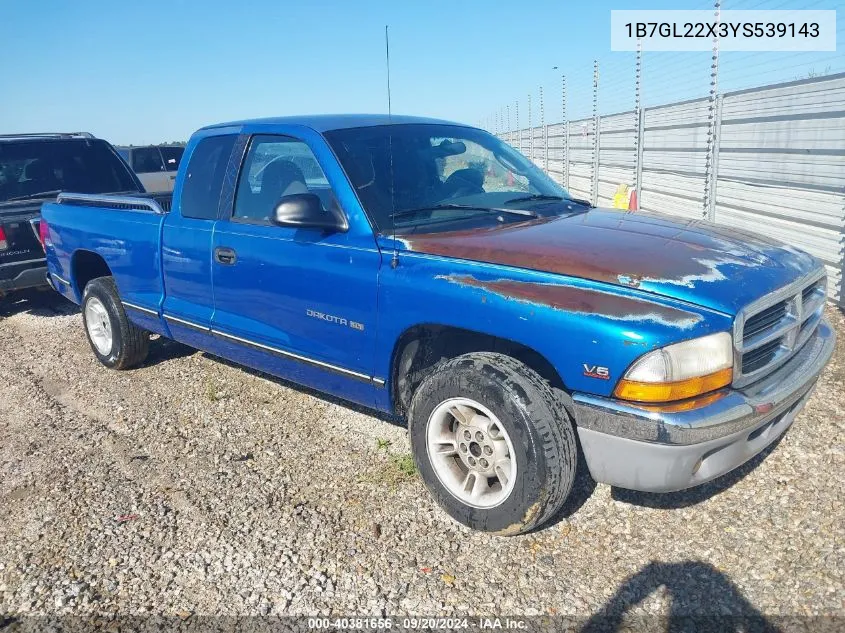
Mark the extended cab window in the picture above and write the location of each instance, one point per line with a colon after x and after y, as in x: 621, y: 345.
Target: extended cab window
x: 204, y: 179
x: 277, y: 166
x: 146, y: 160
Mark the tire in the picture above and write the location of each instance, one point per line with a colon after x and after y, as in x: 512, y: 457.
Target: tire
x: 115, y: 340
x: 539, y: 437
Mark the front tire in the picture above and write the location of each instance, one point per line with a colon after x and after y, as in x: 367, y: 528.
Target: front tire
x: 115, y: 340
x: 492, y: 442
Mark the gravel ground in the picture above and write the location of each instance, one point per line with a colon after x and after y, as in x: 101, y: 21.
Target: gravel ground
x: 191, y: 486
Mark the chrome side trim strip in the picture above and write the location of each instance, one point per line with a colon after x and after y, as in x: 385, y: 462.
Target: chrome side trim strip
x: 60, y: 279
x: 303, y: 359
x: 139, y: 308
x: 195, y: 326
x: 267, y: 348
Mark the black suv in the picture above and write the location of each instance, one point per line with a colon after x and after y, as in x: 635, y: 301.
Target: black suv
x: 35, y: 168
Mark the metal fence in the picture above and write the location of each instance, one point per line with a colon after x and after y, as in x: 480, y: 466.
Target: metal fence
x: 769, y: 159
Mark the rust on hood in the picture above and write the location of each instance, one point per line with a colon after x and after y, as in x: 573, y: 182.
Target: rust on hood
x: 582, y: 300
x: 627, y: 249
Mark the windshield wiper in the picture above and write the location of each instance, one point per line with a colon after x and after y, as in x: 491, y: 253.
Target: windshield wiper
x: 534, y: 196
x: 460, y: 207
x: 543, y: 196
x: 40, y: 194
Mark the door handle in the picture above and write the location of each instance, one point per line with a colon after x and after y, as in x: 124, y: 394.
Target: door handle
x: 225, y: 255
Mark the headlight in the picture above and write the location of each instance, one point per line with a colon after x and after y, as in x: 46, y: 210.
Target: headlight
x: 679, y: 371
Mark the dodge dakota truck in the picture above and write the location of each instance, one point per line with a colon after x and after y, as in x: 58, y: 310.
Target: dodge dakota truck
x: 429, y: 270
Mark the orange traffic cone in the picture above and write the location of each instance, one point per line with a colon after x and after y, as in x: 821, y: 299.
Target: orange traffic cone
x: 632, y: 201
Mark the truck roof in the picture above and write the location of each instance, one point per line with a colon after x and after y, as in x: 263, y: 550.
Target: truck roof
x: 326, y: 122
x: 45, y: 136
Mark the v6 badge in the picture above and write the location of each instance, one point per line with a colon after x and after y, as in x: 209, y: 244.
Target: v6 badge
x: 596, y: 371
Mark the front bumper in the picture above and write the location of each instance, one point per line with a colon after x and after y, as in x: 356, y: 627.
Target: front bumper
x: 24, y: 278
x: 647, y: 449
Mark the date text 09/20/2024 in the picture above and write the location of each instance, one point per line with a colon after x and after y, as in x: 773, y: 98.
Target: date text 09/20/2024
x: 417, y: 623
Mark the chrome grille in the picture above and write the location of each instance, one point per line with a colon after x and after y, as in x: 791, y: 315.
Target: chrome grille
x: 764, y: 320
x: 760, y: 357
x: 770, y: 330
x: 812, y: 289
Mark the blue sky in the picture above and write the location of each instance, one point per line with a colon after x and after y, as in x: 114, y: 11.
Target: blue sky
x: 153, y: 71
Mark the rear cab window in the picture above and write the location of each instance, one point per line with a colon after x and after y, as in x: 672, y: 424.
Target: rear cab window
x: 204, y: 176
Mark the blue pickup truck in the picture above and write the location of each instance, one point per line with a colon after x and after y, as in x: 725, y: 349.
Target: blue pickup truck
x: 429, y: 270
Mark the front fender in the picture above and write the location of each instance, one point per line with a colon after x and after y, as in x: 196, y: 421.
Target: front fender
x: 590, y: 332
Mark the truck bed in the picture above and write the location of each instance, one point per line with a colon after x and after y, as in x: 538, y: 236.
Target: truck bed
x: 124, y: 230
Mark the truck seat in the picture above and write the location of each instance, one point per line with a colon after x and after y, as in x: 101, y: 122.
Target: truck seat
x: 279, y: 178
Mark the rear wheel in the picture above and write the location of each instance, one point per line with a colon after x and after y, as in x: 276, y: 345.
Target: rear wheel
x: 116, y: 341
x: 492, y: 443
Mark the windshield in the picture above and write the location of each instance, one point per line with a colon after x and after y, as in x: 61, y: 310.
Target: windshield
x: 32, y: 168
x: 440, y: 173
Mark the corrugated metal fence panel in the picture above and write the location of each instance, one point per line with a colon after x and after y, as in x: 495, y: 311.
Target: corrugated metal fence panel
x: 581, y: 135
x: 539, y: 151
x: 674, y: 155
x: 781, y: 169
x: 519, y: 140
x: 617, y: 154
x: 512, y: 139
x: 556, y: 133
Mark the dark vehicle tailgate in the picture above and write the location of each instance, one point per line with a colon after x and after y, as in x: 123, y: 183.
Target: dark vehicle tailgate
x: 22, y: 243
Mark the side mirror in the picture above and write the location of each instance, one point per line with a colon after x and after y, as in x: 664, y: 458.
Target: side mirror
x: 305, y: 211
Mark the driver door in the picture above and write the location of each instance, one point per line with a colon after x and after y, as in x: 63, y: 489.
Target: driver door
x: 303, y: 295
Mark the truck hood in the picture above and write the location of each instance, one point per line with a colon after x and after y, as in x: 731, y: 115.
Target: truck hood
x: 696, y: 261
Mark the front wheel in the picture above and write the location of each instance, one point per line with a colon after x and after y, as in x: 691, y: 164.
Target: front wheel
x: 116, y: 341
x: 492, y: 443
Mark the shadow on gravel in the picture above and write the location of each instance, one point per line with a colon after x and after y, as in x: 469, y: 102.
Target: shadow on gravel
x: 325, y: 397
x: 45, y: 303
x: 699, y: 494
x: 163, y: 349
x: 694, y: 587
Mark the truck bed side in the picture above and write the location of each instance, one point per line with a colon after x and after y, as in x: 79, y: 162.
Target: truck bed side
x: 90, y: 236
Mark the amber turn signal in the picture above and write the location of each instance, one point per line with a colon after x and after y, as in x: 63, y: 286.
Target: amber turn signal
x: 669, y: 391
